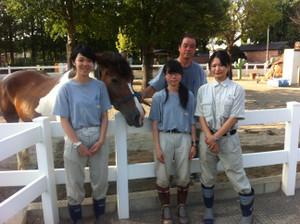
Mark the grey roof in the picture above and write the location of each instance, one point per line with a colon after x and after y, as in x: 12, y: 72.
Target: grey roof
x: 259, y: 47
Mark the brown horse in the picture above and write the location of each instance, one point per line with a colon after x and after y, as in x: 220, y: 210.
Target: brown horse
x: 29, y: 94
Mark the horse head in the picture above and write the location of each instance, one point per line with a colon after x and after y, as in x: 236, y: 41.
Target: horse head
x: 117, y: 75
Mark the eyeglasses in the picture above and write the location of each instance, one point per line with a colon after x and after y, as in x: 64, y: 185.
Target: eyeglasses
x: 173, y: 74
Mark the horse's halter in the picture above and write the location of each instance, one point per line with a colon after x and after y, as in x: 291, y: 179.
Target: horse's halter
x: 117, y: 104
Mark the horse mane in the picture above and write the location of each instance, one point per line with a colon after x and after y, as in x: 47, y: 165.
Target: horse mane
x: 115, y: 62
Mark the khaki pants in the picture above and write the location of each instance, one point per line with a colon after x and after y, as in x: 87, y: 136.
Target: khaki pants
x: 75, y: 165
x: 231, y: 158
x: 176, y: 146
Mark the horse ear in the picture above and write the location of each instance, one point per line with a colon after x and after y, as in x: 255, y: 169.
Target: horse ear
x: 101, y: 60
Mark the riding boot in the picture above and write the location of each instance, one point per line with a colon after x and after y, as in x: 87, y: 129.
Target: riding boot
x: 182, y: 192
x: 247, y: 206
x: 208, y: 197
x: 164, y: 197
x: 99, y: 210
x: 75, y: 212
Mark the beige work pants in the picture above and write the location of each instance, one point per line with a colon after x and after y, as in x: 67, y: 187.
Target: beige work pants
x: 176, y: 146
x: 75, y: 165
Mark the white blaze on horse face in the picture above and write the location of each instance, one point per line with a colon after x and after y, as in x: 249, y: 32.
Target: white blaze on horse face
x: 46, y: 103
x: 138, y: 105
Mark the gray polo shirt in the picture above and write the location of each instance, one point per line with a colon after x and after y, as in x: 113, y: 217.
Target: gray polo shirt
x: 171, y: 115
x: 216, y: 102
x: 82, y: 103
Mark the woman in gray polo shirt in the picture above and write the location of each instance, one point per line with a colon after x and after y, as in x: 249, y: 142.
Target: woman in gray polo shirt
x: 220, y: 104
x: 174, y: 135
x: 82, y: 105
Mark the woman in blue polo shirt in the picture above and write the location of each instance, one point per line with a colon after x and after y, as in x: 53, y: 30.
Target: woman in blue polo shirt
x: 174, y: 135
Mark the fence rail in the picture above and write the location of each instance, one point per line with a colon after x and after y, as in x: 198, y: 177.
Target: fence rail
x: 56, y: 70
x: 14, y: 137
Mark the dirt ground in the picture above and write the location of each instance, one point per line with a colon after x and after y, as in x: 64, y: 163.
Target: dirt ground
x: 256, y: 138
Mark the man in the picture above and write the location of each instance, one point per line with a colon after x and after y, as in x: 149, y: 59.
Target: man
x: 194, y: 75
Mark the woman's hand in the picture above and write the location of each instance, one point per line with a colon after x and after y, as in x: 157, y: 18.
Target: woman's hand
x: 193, y: 152
x: 160, y: 156
x: 213, y: 147
x: 96, y: 147
x: 84, y: 151
x: 210, y: 140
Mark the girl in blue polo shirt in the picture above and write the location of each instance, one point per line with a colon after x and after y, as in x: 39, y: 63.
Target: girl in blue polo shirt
x: 174, y: 136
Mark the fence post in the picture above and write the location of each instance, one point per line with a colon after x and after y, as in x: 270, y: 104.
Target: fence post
x: 265, y: 67
x: 44, y: 152
x: 291, y: 145
x: 207, y: 69
x: 122, y: 166
x: 247, y: 68
x: 8, y: 70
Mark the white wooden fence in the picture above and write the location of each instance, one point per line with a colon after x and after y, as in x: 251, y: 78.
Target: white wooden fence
x: 55, y: 70
x: 15, y: 137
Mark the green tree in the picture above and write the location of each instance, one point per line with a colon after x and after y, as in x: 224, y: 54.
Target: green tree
x: 247, y: 19
x: 296, y: 14
x: 9, y: 34
x: 76, y: 20
x: 153, y: 24
x: 286, y: 29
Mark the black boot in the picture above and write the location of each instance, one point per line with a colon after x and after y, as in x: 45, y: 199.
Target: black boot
x: 247, y: 206
x: 208, y: 197
x: 75, y: 212
x: 164, y: 197
x: 99, y: 210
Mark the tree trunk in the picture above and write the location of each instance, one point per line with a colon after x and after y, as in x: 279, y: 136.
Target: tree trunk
x: 229, y: 47
x: 71, y: 43
x: 147, y: 66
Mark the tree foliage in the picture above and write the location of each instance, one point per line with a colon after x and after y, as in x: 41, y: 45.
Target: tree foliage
x: 160, y: 24
x: 77, y: 20
x: 286, y: 29
x: 124, y: 43
x: 247, y: 19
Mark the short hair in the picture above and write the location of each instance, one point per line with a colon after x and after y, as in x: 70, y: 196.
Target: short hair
x: 190, y: 36
x: 222, y: 55
x: 224, y: 59
x: 85, y: 51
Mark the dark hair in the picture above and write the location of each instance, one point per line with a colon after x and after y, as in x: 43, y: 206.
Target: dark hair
x: 223, y: 56
x: 173, y: 66
x: 190, y: 36
x: 85, y: 51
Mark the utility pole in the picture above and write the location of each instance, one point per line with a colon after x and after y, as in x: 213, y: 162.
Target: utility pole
x: 267, y: 49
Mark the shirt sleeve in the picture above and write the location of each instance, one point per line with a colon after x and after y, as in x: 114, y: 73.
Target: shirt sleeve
x: 238, y: 108
x: 105, y: 101
x: 61, y: 106
x: 203, y: 76
x: 158, y: 82
x: 155, y: 114
x: 198, y: 110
